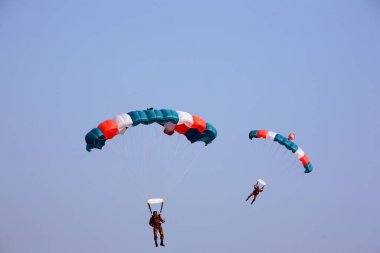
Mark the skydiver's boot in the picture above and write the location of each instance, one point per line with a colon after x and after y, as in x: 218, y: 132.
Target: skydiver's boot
x: 162, y: 243
x: 155, y: 242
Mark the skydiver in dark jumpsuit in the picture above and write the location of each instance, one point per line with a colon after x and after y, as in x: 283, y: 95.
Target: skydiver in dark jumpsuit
x: 155, y: 222
x: 255, y: 193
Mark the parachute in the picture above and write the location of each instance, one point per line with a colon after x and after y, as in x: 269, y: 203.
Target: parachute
x: 155, y: 202
x: 269, y: 135
x: 261, y: 182
x: 193, y: 127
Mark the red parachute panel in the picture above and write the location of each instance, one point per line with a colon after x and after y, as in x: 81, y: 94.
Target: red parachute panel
x: 109, y: 128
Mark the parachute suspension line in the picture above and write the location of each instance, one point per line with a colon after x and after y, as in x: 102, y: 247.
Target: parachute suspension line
x: 276, y: 151
x: 177, y: 144
x: 295, y: 163
x: 266, y: 146
x: 290, y: 155
x: 150, y: 209
x: 267, y: 161
x: 254, y: 149
x: 272, y: 144
x: 182, y: 155
x: 131, y: 172
x: 158, y: 140
x: 179, y: 152
x: 130, y: 140
x: 125, y: 146
x: 162, y: 205
x: 166, y: 162
x: 189, y: 168
x: 170, y: 170
x: 293, y: 167
x: 136, y: 163
x: 143, y: 167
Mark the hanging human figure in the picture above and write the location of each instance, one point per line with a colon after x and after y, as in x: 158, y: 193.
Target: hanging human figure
x: 256, y: 191
x: 156, y: 220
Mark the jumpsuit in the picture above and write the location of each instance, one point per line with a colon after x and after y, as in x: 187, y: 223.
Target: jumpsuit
x: 155, y: 221
x: 255, y: 192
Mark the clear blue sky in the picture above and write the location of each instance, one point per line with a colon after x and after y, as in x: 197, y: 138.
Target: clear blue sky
x: 311, y: 67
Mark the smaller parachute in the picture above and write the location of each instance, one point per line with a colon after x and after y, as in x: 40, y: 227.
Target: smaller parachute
x: 155, y: 202
x: 261, y: 182
x: 290, y: 145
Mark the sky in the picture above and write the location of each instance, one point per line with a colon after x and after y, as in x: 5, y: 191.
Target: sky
x: 309, y: 67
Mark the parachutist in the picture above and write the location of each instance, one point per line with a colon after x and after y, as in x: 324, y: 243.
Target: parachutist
x: 155, y: 222
x: 256, y: 192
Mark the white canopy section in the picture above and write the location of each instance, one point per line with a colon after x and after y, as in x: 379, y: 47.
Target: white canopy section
x: 155, y: 201
x: 262, y: 182
x: 299, y: 153
x: 185, y: 118
x: 123, y: 121
x: 271, y: 135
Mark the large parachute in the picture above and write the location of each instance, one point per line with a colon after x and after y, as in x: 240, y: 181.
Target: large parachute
x: 193, y: 127
x: 269, y: 135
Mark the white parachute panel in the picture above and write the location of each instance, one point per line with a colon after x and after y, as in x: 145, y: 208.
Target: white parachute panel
x: 262, y: 182
x: 155, y: 201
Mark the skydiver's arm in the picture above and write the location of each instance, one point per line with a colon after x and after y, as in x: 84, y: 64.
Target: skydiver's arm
x: 151, y: 222
x: 162, y: 220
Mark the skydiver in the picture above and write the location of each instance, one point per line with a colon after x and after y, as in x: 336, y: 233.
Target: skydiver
x: 256, y: 192
x: 155, y: 222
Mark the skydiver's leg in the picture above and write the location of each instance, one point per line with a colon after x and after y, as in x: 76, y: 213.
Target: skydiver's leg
x: 155, y: 230
x: 249, y: 196
x: 254, y: 198
x: 161, y: 236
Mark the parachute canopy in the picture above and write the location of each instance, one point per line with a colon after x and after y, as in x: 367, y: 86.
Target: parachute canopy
x: 155, y: 201
x: 269, y: 135
x: 262, y: 182
x: 193, y: 127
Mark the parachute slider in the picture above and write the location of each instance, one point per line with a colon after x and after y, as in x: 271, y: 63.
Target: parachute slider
x: 291, y: 136
x: 169, y: 128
